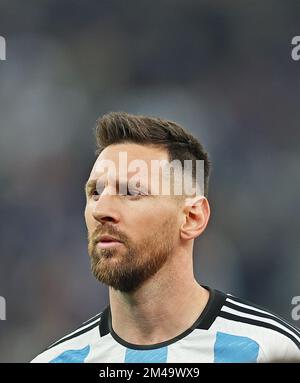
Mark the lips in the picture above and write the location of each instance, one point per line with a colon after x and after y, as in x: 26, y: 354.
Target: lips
x: 108, y: 241
x: 108, y: 238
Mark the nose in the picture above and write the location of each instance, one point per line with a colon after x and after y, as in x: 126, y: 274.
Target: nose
x: 105, y: 209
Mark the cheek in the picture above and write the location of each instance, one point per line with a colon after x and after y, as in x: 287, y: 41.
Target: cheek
x: 140, y: 222
x: 153, y: 219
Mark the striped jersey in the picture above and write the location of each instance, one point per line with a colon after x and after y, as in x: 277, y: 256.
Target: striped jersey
x: 229, y: 330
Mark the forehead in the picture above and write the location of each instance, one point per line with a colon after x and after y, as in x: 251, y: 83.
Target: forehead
x: 133, y: 152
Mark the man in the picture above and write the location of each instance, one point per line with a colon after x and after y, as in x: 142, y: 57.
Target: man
x: 140, y: 242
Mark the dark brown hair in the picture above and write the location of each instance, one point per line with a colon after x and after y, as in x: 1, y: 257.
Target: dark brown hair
x: 120, y: 127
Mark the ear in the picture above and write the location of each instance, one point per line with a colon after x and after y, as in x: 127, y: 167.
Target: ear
x: 196, y: 213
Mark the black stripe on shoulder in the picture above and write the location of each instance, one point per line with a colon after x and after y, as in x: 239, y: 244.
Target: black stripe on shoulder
x: 91, y: 319
x: 254, y: 322
x: 274, y: 317
x: 246, y: 302
x: 77, y: 333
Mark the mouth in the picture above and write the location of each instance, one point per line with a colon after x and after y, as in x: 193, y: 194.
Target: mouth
x: 107, y: 241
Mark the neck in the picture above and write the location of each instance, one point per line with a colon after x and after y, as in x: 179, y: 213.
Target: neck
x: 164, y: 307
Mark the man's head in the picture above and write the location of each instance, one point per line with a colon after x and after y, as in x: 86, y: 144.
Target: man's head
x: 151, y: 227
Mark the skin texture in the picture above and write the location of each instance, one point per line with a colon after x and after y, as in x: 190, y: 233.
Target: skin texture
x: 152, y: 290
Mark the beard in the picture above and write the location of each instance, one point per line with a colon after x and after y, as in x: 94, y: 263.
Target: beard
x: 127, y: 267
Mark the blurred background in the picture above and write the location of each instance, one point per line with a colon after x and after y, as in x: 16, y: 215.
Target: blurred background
x: 221, y: 69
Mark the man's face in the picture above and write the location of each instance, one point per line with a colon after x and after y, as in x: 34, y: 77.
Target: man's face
x: 146, y: 225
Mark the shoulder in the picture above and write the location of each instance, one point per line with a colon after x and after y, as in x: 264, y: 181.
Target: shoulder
x: 277, y: 339
x: 76, y: 345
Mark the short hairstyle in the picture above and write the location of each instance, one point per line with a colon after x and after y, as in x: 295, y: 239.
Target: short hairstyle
x: 120, y: 127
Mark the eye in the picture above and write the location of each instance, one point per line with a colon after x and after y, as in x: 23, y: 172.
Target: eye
x: 93, y: 193
x: 129, y: 192
x: 133, y: 193
x: 97, y: 190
